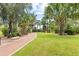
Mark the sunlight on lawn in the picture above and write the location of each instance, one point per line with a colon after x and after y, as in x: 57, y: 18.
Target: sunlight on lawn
x: 48, y: 44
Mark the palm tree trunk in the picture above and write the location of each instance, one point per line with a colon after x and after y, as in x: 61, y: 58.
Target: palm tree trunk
x: 61, y: 27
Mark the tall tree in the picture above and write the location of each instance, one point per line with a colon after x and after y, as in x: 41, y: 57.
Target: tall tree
x: 61, y: 12
x: 12, y: 13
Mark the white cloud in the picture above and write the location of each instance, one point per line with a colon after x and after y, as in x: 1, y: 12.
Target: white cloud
x: 38, y: 8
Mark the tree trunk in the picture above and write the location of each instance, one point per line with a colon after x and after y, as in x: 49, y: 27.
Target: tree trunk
x: 44, y: 28
x: 61, y: 27
x: 10, y: 28
x: 61, y: 30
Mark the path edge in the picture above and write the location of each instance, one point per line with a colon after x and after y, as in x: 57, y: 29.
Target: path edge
x: 22, y: 46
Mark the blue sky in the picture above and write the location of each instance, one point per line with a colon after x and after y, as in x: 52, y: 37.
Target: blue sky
x: 38, y: 9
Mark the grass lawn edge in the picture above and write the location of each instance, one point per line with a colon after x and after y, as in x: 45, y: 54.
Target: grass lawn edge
x: 20, y: 48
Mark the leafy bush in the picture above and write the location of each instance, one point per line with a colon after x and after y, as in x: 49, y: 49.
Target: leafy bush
x: 70, y: 32
x: 1, y: 34
x: 13, y: 34
x: 16, y: 32
x: 56, y: 30
x: 5, y: 31
x: 72, y: 27
x: 77, y: 31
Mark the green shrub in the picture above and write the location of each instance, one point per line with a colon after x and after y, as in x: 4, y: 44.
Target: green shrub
x: 5, y: 31
x: 56, y: 30
x: 77, y: 30
x: 72, y: 27
x: 15, y: 32
x: 1, y: 34
x: 70, y: 32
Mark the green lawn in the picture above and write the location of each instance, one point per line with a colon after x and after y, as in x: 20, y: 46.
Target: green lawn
x: 48, y: 44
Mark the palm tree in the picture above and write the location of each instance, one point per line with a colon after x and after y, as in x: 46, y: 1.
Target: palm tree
x: 61, y: 12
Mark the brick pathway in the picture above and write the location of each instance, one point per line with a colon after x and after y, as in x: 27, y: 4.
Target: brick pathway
x: 8, y: 49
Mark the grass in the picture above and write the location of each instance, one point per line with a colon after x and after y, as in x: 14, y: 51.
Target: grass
x: 48, y: 44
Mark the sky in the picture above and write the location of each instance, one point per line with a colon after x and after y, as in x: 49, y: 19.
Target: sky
x: 38, y: 9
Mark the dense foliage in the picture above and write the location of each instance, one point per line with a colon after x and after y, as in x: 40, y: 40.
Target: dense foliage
x: 61, y: 14
x: 16, y: 16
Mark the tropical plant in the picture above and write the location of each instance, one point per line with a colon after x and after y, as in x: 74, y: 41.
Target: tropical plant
x: 61, y: 12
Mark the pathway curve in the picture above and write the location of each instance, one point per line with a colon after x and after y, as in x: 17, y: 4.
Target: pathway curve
x: 12, y: 47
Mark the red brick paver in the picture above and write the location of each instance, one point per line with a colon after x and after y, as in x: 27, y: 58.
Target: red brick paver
x: 7, y: 49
